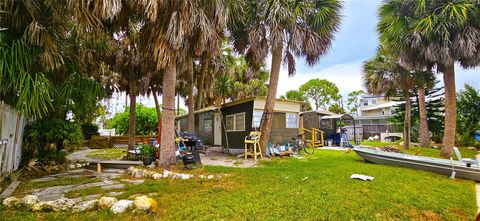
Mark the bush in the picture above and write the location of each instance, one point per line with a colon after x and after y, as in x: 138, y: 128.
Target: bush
x: 146, y: 121
x: 89, y: 129
x: 147, y: 150
x: 468, y: 116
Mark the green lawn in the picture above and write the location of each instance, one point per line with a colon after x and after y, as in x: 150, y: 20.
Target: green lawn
x: 275, y: 191
x: 107, y: 154
x: 422, y: 151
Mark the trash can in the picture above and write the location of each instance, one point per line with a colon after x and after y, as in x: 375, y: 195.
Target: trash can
x: 330, y: 142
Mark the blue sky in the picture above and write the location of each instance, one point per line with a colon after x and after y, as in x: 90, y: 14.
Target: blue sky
x: 355, y: 42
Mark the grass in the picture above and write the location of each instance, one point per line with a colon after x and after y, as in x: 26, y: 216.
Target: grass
x: 265, y: 193
x: 107, y: 154
x: 421, y: 151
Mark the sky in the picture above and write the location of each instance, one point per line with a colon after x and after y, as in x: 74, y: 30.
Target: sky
x: 355, y: 42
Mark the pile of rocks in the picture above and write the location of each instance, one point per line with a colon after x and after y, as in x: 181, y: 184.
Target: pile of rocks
x: 77, y: 164
x: 31, y: 202
x: 136, y: 172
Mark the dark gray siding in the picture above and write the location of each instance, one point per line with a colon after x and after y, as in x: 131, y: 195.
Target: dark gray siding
x: 236, y: 138
x: 280, y: 134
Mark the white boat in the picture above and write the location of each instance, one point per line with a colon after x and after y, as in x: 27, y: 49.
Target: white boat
x: 437, y: 165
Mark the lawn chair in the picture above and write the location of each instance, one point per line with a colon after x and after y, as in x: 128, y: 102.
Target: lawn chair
x: 253, y: 140
x: 468, y: 161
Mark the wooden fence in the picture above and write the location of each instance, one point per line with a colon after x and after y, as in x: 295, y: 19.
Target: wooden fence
x: 12, y: 124
x: 100, y: 142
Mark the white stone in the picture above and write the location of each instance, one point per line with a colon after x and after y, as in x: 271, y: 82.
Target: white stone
x: 166, y: 173
x: 41, y: 206
x: 78, y: 165
x: 144, y: 203
x: 210, y: 177
x: 62, y: 204
x: 202, y: 177
x: 11, y: 202
x: 157, y: 176
x: 30, y: 200
x: 71, y: 166
x: 90, y: 205
x: 121, y: 206
x: 184, y: 176
x: 106, y: 202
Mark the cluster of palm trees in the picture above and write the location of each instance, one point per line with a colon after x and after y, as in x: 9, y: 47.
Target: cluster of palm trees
x: 165, y: 47
x: 418, y: 36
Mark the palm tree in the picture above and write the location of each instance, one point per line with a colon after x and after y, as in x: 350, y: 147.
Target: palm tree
x: 175, y: 30
x: 286, y: 29
x: 439, y: 33
x: 384, y: 75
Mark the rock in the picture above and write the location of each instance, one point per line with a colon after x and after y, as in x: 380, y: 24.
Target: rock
x: 78, y: 165
x: 71, y: 166
x: 184, y: 176
x: 210, y: 177
x: 62, y: 204
x: 166, y: 173
x: 106, y: 202
x: 41, y: 206
x: 151, y: 166
x: 90, y: 205
x: 121, y: 206
x: 202, y: 177
x: 157, y: 176
x: 145, y: 203
x: 11, y: 202
x: 30, y: 200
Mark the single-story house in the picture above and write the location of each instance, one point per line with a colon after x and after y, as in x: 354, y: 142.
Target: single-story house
x: 233, y: 121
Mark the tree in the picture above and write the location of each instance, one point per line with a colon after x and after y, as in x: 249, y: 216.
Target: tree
x: 353, y: 101
x: 439, y: 33
x: 468, y: 116
x: 145, y: 124
x: 284, y: 28
x: 174, y: 31
x: 297, y: 95
x: 320, y: 92
x: 384, y: 74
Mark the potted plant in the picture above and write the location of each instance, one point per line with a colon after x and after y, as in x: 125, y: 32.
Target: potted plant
x: 148, y: 153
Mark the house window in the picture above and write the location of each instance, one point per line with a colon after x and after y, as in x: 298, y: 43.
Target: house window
x: 374, y: 101
x: 292, y: 121
x: 257, y: 117
x: 365, y: 103
x: 236, y: 122
x: 326, y: 124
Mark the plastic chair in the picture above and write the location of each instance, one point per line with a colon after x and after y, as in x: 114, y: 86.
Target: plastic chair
x: 253, y: 140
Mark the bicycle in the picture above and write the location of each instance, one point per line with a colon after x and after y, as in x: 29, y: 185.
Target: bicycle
x: 298, y: 144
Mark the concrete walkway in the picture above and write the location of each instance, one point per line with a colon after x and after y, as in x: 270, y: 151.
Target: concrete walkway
x: 80, y: 155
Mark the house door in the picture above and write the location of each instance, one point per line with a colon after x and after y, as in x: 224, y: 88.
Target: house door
x: 217, y: 131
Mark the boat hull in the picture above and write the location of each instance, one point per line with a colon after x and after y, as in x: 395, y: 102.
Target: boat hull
x: 436, y: 165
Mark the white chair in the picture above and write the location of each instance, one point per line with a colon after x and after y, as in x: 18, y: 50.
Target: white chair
x: 471, y: 161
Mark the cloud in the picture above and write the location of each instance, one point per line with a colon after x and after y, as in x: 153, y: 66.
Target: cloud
x: 347, y: 77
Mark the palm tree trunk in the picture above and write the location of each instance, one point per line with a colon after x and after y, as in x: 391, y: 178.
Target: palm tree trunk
x: 424, y: 134
x: 200, y: 83
x: 159, y: 113
x: 167, y: 152
x: 407, y: 124
x: 267, y: 117
x: 190, y: 100
x: 450, y: 111
x: 131, y: 122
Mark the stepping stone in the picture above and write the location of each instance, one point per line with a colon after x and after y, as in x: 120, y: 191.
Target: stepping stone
x: 43, y: 179
x: 113, y: 171
x: 10, y: 189
x: 51, y: 197
x: 87, y: 198
x: 115, y: 193
x: 133, y: 181
x: 115, y: 186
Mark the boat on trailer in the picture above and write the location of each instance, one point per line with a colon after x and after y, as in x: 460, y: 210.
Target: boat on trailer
x: 443, y: 166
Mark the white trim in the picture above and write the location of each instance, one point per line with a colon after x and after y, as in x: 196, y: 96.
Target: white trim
x: 234, y: 122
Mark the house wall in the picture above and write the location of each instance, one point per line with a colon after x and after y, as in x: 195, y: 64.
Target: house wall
x: 280, y: 134
x: 280, y: 106
x: 236, y: 138
x: 311, y: 119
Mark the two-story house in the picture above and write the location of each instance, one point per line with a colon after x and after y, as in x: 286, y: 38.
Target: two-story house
x: 373, y: 112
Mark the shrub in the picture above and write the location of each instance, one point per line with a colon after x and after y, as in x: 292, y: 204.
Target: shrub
x: 89, y: 129
x: 147, y: 150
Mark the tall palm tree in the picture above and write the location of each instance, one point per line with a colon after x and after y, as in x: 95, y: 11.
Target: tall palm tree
x: 435, y: 32
x: 384, y: 75
x: 175, y: 30
x: 285, y: 28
